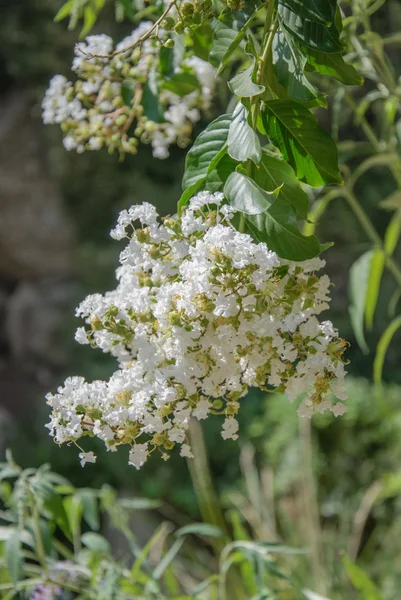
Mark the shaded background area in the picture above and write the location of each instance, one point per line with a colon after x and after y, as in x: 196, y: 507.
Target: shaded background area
x: 56, y: 209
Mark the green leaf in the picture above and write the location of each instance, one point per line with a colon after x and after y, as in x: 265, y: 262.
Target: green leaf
x: 242, y: 141
x: 313, y: 35
x: 311, y: 152
x: 205, y: 154
x: 150, y: 99
x: 361, y: 581
x: 242, y: 84
x: 382, y: 348
x: 13, y: 555
x: 321, y: 11
x: 391, y: 238
x: 289, y: 64
x: 202, y: 529
x: 358, y: 287
x: 168, y: 558
x: 90, y: 17
x: 182, y: 84
x: 269, y: 220
x: 274, y: 172
x: 373, y: 288
x: 95, y: 542
x: 333, y: 65
x: 127, y: 91
x: 166, y: 61
x: 54, y: 504
x: 202, y: 39
x: 64, y: 11
x: 90, y: 507
x: 228, y: 32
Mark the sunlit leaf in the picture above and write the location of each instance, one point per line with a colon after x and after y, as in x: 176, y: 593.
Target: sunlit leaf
x: 310, y: 151
x: 242, y: 141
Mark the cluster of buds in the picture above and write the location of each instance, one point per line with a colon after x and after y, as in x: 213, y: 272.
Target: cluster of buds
x: 141, y: 91
x: 201, y: 313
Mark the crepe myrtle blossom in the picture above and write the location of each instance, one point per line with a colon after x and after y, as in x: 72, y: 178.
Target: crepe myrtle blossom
x: 201, y: 312
x: 113, y: 102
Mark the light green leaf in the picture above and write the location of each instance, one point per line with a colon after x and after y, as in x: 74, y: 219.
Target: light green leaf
x: 168, y: 558
x: 13, y: 555
x: 289, y: 64
x: 313, y: 35
x: 242, y: 141
x: 202, y: 529
x: 377, y: 263
x: 311, y: 152
x: 358, y: 287
x: 321, y: 11
x: 242, y: 84
x: 90, y: 17
x: 64, y: 11
x: 391, y: 238
x: 333, y: 64
x: 95, y: 542
x: 274, y: 172
x: 361, y: 581
x: 269, y: 219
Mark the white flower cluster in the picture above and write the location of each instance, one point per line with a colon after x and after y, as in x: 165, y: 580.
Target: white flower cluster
x: 201, y: 313
x: 120, y: 100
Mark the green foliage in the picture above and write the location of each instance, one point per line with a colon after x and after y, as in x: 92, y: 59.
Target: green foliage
x: 40, y: 556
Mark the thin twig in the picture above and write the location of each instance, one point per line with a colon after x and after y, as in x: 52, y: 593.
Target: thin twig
x: 137, y: 42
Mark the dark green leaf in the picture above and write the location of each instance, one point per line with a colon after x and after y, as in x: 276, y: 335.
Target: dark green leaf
x: 217, y: 177
x: 202, y: 38
x: 90, y: 507
x: 311, y: 34
x: 243, y: 142
x: 228, y: 32
x: 208, y: 149
x: 55, y: 505
x: 182, y: 83
x: 166, y: 58
x: 13, y: 555
x: 309, y: 149
x: 274, y: 172
x: 127, y: 91
x: 150, y: 99
x: 334, y: 65
x: 289, y: 64
x: 269, y: 219
x: 242, y: 84
x: 321, y: 11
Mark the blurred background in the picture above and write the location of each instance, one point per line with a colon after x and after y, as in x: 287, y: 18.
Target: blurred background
x: 56, y: 211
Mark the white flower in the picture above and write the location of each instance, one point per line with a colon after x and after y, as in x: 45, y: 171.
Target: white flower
x: 230, y: 428
x: 200, y: 312
x: 186, y: 451
x: 138, y: 455
x: 87, y: 457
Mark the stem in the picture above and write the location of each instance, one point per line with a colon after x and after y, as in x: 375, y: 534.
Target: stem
x: 311, y: 506
x: 203, y: 484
